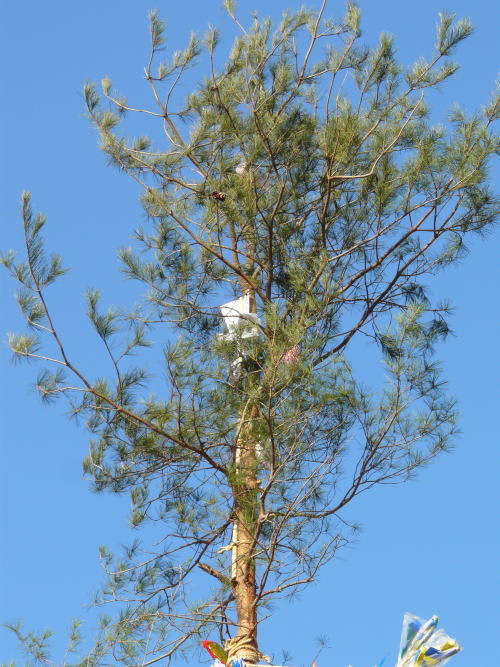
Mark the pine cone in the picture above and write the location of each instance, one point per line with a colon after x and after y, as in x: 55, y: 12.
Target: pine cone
x: 292, y: 356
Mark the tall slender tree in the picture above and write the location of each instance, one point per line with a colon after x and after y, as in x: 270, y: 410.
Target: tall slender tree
x: 303, y: 183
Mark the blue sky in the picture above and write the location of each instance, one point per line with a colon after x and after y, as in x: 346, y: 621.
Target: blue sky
x: 430, y: 546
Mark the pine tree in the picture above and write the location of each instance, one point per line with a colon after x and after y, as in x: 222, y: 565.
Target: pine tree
x: 303, y: 183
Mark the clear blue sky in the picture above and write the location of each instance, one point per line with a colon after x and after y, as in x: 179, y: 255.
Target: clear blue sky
x: 430, y: 546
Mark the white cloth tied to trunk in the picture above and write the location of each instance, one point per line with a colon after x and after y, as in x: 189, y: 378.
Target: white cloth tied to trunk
x: 238, y: 318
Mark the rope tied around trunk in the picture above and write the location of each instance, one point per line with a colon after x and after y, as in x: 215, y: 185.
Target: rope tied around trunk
x: 243, y: 647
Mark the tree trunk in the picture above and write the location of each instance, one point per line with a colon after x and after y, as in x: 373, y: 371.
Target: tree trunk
x: 245, y: 496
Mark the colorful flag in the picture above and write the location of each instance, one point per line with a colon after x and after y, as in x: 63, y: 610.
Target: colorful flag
x: 422, y: 644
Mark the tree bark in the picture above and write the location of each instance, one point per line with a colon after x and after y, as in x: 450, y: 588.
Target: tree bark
x: 245, y: 495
